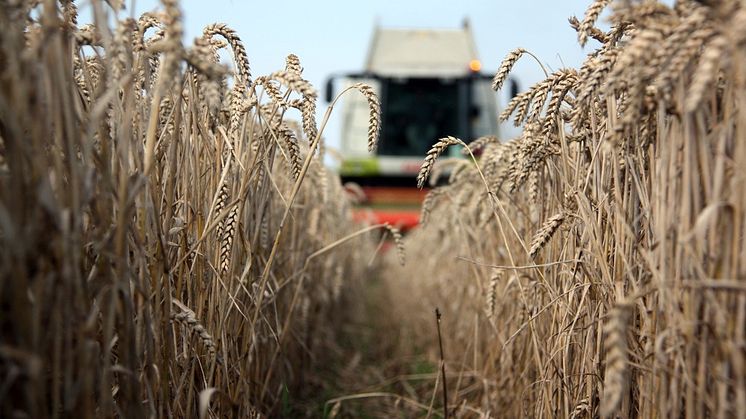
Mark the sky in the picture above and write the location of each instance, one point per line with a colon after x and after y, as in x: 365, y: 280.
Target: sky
x: 332, y: 36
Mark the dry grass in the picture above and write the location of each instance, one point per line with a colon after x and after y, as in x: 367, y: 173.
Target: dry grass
x: 171, y: 245
x: 600, y: 270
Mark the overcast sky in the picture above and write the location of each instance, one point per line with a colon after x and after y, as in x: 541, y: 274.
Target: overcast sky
x: 333, y: 35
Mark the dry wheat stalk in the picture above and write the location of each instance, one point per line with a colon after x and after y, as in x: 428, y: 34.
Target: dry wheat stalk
x: 589, y: 20
x: 187, y: 318
x: 534, y: 186
x: 518, y: 101
x: 523, y: 159
x: 171, y: 44
x: 451, y: 164
x: 355, y: 192
x: 432, y: 155
x: 480, y: 143
x: 683, y: 57
x: 615, y: 347
x: 398, y: 241
x: 715, y: 57
x: 239, y: 51
x: 596, y: 71
x: 545, y: 87
x: 374, y: 121
x: 582, y: 409
x: 492, y: 157
x: 145, y: 22
x: 429, y: 202
x: 271, y: 87
x: 69, y: 13
x: 684, y: 27
x: 521, y: 111
x: 541, y: 238
x: 99, y: 104
x: 308, y: 115
x: 291, y: 142
x: 88, y: 35
x: 491, y: 297
x: 531, y: 162
x: 292, y: 64
x: 559, y: 94
x: 505, y: 67
x: 294, y: 81
x: 623, y: 203
x: 226, y: 240
x: 646, y: 14
x: 202, y: 57
x: 594, y: 33
x: 206, y: 73
x: 636, y: 53
x: 500, y: 167
x: 463, y: 169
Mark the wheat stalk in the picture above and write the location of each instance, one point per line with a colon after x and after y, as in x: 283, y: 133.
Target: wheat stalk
x: 229, y: 232
x: 547, y: 230
x: 480, y: 143
x: 291, y: 143
x: 714, y: 57
x: 292, y: 64
x: 189, y: 320
x: 432, y: 155
x: 615, y: 347
x: 239, y: 51
x: 593, y: 32
x: 505, y: 67
x: 398, y: 241
x: 374, y: 120
x: 294, y: 81
x: 491, y: 297
x: 589, y: 20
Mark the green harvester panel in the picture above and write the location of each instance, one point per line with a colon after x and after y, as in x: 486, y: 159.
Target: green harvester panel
x: 360, y: 167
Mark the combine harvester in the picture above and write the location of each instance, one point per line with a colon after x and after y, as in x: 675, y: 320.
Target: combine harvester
x: 430, y: 86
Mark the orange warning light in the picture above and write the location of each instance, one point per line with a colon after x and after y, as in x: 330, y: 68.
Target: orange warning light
x: 475, y: 65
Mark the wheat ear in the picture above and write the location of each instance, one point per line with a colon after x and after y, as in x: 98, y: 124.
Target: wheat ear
x: 545, y: 233
x: 308, y: 115
x: 615, y: 347
x: 582, y: 409
x: 505, y: 67
x: 292, y: 64
x: 296, y: 161
x: 713, y: 58
x: 396, y: 235
x: 239, y: 51
x: 491, y: 298
x: 429, y: 203
x: 229, y: 232
x: 432, y: 155
x: 594, y: 33
x: 480, y: 143
x: 187, y: 318
x: 589, y: 21
x: 374, y: 121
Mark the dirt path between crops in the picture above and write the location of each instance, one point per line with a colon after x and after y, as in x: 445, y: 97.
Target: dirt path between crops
x: 369, y: 372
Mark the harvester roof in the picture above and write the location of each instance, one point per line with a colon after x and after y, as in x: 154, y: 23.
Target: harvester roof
x: 421, y: 52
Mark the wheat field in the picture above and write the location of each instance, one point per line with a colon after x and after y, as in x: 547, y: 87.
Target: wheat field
x: 172, y: 244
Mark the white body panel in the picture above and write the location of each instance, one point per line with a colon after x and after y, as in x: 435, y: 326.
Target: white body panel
x: 421, y: 52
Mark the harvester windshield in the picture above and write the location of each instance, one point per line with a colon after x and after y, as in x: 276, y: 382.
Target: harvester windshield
x: 416, y: 112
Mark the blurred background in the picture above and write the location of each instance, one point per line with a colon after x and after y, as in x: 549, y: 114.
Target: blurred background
x: 333, y: 36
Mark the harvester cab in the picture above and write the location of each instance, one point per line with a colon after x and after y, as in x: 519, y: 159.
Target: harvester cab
x: 430, y: 86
